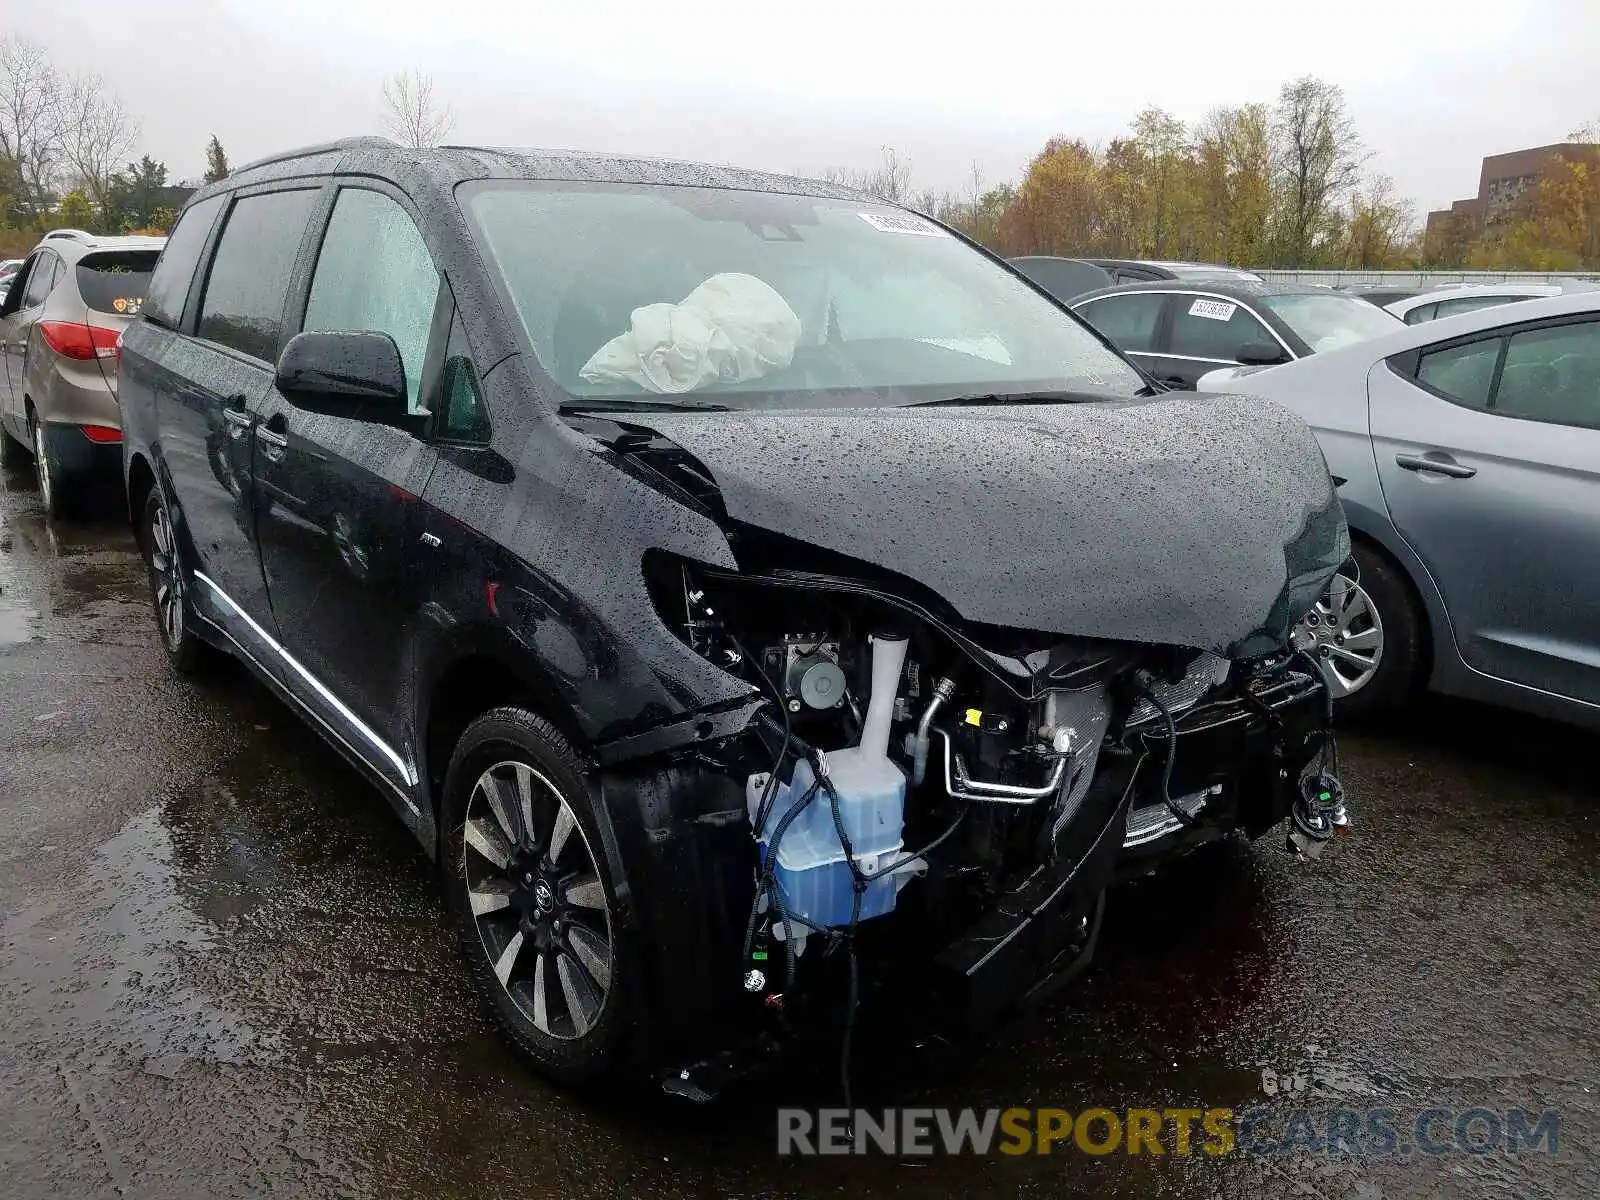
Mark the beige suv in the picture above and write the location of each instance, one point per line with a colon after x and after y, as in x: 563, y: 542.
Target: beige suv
x: 60, y: 326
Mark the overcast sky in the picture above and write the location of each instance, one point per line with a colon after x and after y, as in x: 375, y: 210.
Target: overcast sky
x: 1433, y: 86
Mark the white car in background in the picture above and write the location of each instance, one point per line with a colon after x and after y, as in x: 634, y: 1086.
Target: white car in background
x: 1454, y: 299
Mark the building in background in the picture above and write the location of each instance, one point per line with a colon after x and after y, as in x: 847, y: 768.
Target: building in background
x: 1502, y: 181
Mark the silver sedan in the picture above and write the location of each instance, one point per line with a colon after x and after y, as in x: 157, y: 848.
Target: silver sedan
x: 1469, y: 450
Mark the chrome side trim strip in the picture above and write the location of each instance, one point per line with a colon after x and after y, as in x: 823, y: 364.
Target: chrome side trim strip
x: 406, y: 771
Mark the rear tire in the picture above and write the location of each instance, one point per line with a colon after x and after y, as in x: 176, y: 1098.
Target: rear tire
x: 169, y: 585
x: 53, y: 482
x: 528, y: 885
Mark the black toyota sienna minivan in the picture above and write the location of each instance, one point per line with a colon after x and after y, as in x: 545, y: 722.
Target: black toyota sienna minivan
x: 748, y: 591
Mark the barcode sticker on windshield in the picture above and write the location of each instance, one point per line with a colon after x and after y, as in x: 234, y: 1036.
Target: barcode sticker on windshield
x: 1213, y: 310
x: 894, y: 222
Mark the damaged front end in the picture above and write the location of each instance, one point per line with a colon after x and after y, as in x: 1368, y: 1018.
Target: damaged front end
x: 945, y: 803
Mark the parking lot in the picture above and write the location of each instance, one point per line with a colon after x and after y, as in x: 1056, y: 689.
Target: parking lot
x: 226, y: 972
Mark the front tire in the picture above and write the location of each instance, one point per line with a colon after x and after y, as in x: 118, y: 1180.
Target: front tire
x: 529, y: 887
x: 169, y: 584
x: 1366, y: 634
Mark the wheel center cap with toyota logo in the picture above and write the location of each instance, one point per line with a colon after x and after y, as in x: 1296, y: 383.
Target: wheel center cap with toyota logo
x: 544, y: 895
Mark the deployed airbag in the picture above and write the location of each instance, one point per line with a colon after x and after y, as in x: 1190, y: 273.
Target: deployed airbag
x: 731, y: 329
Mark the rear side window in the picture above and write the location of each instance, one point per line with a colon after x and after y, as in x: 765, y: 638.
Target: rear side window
x: 1462, y: 373
x: 1129, y: 321
x: 1552, y: 375
x: 249, y: 281
x: 174, y: 272
x: 116, y: 281
x: 1421, y: 313
x: 1211, y: 327
x: 41, y: 280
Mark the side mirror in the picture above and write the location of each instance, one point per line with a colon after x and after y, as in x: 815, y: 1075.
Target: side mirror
x: 355, y: 375
x: 1260, y: 354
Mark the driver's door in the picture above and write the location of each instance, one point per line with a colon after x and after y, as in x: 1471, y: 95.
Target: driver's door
x: 337, y: 506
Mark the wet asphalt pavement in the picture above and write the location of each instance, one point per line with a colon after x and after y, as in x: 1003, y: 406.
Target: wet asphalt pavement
x: 224, y: 970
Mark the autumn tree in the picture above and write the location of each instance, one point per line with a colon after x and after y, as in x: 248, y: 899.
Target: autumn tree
x: 1059, y: 203
x: 1378, y: 225
x: 412, y: 114
x: 216, y: 161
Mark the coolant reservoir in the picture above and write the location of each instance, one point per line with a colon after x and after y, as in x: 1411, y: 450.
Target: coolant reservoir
x: 810, y: 868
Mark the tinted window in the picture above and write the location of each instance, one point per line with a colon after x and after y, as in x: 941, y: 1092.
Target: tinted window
x: 116, y: 281
x: 1129, y: 321
x: 169, y: 286
x: 41, y: 279
x: 1204, y: 327
x: 1464, y: 373
x: 1063, y: 278
x: 1463, y: 304
x: 249, y: 280
x: 1419, y: 314
x: 374, y: 274
x: 1552, y: 375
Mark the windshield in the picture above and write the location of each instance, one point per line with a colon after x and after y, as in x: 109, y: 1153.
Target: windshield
x: 745, y: 299
x: 1326, y: 322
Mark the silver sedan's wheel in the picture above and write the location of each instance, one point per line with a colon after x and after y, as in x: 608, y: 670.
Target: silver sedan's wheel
x: 1344, y: 633
x: 536, y: 897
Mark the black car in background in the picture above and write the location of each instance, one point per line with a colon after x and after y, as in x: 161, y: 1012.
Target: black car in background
x: 1178, y: 331
x: 1063, y: 278
x: 726, y: 577
x: 1142, y: 270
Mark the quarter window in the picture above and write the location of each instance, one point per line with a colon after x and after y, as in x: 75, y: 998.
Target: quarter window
x: 1463, y: 373
x: 1129, y: 320
x: 249, y: 281
x: 1212, y: 327
x: 374, y: 275
x: 169, y: 286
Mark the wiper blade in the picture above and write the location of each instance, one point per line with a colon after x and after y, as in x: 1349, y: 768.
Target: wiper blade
x: 990, y: 398
x: 624, y: 406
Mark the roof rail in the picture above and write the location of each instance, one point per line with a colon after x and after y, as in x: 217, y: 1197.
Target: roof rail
x: 364, y: 142
x: 71, y: 235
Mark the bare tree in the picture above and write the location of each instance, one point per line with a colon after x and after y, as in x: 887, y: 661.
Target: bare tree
x: 96, y: 134
x: 1319, y: 158
x: 412, y: 115
x: 890, y: 180
x: 30, y: 116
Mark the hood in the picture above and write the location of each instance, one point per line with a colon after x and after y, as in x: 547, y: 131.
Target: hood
x: 1208, y: 522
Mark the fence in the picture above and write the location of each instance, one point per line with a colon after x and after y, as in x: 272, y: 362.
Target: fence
x: 1420, y: 278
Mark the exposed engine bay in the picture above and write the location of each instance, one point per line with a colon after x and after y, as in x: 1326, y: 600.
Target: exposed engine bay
x: 977, y: 788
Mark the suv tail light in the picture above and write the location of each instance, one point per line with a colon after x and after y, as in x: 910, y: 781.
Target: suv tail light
x: 73, y: 339
x: 101, y: 434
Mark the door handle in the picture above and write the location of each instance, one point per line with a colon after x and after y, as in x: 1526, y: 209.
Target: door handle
x: 239, y: 418
x: 1434, y: 464
x: 274, y: 441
